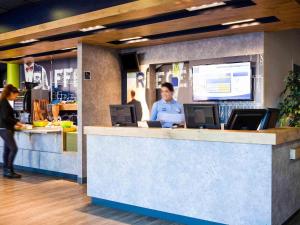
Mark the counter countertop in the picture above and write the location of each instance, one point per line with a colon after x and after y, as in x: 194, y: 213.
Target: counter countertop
x: 268, y: 137
x: 42, y: 130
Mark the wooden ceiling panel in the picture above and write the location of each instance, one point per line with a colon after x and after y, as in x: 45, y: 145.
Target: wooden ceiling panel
x: 218, y: 17
x: 72, y: 54
x: 260, y: 28
x: 130, y: 11
x: 39, y: 48
x: 288, y: 11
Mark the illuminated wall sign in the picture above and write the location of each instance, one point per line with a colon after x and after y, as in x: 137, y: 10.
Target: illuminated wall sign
x: 65, y: 77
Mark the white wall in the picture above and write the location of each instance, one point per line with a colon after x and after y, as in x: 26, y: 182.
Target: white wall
x: 282, y: 50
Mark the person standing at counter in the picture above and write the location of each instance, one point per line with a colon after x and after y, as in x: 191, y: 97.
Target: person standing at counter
x: 137, y: 104
x: 8, y: 123
x: 167, y: 110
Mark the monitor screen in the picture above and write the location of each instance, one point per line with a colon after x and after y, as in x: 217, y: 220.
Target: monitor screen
x: 296, y: 68
x: 245, y: 119
x: 202, y: 116
x: 123, y: 115
x: 130, y: 62
x: 221, y: 82
x: 270, y: 119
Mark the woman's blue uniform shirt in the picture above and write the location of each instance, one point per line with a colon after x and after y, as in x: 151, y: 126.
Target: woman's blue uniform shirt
x: 169, y: 113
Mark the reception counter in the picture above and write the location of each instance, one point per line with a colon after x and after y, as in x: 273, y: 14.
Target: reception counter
x: 41, y: 150
x: 196, y: 176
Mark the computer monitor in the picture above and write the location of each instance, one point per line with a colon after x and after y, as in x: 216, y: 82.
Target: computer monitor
x: 245, y: 119
x: 270, y: 119
x: 202, y: 116
x: 123, y: 115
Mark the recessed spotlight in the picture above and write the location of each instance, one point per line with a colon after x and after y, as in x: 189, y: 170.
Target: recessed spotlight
x: 244, y: 25
x: 130, y: 39
x: 206, y: 6
x: 29, y: 41
x: 238, y: 21
x: 98, y: 27
x: 64, y: 49
x: 137, y: 40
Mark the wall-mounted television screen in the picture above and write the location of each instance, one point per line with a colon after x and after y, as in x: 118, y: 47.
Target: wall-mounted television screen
x: 222, y: 82
x: 130, y: 62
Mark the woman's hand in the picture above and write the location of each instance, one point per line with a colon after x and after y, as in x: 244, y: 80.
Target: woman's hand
x: 19, y: 125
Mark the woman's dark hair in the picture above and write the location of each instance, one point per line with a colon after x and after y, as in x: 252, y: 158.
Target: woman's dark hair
x: 8, y: 90
x: 169, y: 86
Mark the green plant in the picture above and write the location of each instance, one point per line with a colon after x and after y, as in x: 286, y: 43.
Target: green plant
x: 290, y: 101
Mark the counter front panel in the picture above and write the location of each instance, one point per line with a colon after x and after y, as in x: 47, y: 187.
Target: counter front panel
x: 214, y: 177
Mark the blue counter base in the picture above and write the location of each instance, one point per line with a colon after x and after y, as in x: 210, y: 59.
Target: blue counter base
x: 66, y: 176
x: 152, y: 213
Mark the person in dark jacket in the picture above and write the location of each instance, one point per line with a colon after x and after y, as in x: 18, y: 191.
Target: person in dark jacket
x: 137, y: 104
x: 8, y: 123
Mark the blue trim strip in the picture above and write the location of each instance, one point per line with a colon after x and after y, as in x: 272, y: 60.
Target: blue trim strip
x: 66, y: 176
x: 152, y: 213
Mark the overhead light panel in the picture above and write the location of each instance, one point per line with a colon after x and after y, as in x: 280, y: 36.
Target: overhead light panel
x: 131, y: 39
x: 244, y: 25
x: 238, y: 22
x: 137, y: 40
x: 65, y: 49
x: 19, y: 56
x: 29, y: 41
x: 98, y: 27
x: 206, y: 6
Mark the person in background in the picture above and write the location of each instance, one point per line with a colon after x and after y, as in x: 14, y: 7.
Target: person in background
x: 8, y: 123
x: 167, y: 110
x: 137, y: 104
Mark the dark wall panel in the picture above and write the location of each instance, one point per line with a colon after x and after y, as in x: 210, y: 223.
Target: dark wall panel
x: 3, y: 72
x: 45, y: 11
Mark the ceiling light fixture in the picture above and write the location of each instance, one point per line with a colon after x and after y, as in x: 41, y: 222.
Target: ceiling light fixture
x: 29, y: 41
x: 206, y: 6
x: 245, y: 25
x: 98, y: 27
x: 238, y: 21
x: 137, y: 40
x: 130, y: 39
x: 65, y: 49
x: 19, y: 56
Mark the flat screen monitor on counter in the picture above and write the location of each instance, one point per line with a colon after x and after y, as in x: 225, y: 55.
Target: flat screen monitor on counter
x: 202, y: 116
x: 123, y: 116
x: 245, y: 119
x: 221, y: 82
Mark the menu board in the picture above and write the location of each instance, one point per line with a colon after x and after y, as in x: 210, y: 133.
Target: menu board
x: 231, y: 81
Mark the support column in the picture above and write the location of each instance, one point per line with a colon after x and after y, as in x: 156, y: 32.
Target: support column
x: 13, y: 74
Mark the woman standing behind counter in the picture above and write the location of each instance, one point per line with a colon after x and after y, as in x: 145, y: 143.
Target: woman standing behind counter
x: 7, y: 127
x: 167, y: 110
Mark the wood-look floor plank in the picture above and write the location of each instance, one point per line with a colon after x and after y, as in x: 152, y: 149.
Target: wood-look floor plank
x: 41, y: 200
